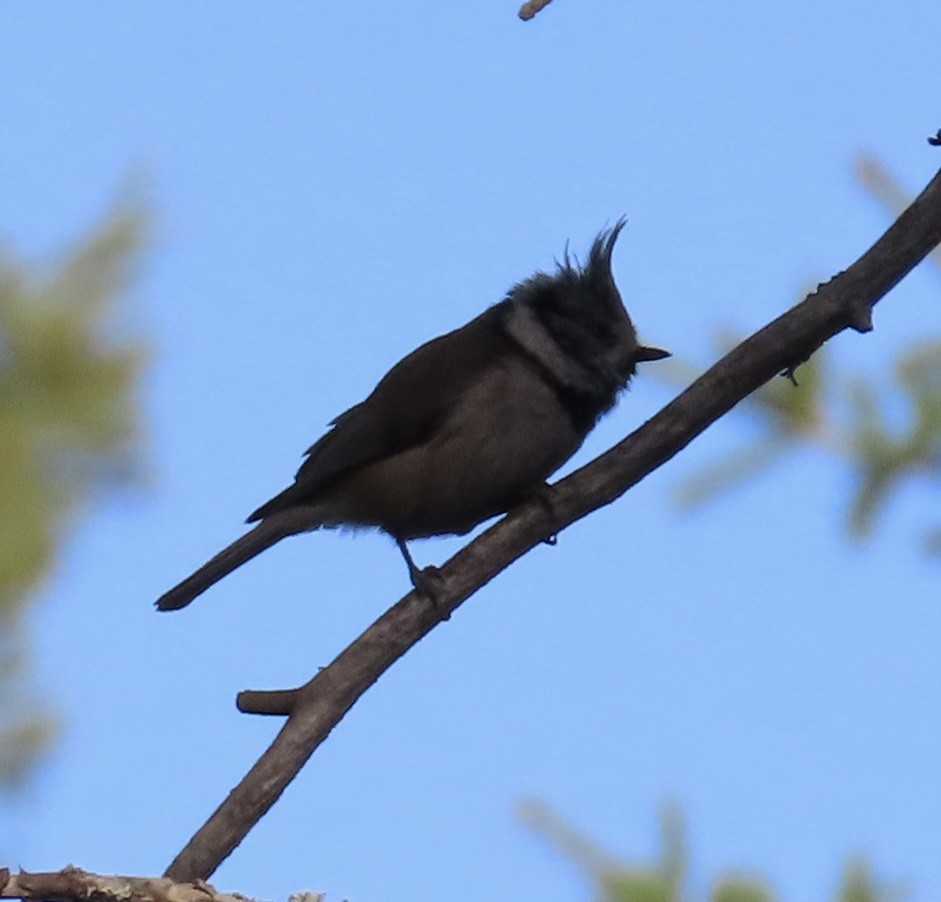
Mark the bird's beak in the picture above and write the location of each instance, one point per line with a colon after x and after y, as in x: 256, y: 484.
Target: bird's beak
x: 642, y: 354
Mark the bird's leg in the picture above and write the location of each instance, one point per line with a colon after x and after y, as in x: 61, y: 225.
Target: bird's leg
x: 427, y: 580
x: 415, y: 574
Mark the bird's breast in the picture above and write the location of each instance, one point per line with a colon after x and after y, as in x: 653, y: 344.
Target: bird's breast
x: 506, y: 434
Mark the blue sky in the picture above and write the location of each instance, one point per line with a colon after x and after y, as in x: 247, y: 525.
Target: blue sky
x: 331, y: 187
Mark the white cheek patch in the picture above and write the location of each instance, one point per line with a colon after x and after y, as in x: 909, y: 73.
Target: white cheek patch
x: 527, y: 330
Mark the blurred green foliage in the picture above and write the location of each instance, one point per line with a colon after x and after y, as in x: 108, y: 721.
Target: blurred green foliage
x: 68, y: 428
x: 851, y: 418
x: 883, y: 456
x: 666, y: 879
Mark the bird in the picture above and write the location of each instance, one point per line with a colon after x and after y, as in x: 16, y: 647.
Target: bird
x: 467, y: 426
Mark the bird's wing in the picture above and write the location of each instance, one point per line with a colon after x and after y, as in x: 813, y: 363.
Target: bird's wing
x: 404, y: 409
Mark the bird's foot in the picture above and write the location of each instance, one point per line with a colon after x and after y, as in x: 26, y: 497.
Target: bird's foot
x: 427, y: 581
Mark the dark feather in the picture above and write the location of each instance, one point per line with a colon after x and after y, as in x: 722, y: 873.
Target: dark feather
x: 388, y: 421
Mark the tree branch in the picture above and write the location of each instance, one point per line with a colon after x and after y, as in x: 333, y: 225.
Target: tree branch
x: 74, y: 885
x: 846, y: 301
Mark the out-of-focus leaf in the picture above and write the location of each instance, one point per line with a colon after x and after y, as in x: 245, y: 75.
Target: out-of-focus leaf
x: 614, y: 880
x: 664, y: 880
x: 881, y: 185
x: 729, y: 473
x: 21, y: 744
x: 629, y: 885
x: 785, y: 412
x: 742, y: 889
x: 810, y: 413
x: 68, y: 427
x: 884, y: 457
x: 861, y: 885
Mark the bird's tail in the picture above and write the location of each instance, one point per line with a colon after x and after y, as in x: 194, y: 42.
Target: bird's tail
x: 243, y: 549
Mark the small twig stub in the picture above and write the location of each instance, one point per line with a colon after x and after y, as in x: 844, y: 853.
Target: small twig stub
x: 529, y: 9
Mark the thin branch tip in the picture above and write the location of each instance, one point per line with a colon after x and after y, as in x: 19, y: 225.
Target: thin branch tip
x: 529, y: 9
